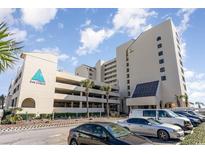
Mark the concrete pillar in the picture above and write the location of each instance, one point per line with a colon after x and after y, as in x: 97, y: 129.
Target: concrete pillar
x: 81, y: 104
x: 71, y: 104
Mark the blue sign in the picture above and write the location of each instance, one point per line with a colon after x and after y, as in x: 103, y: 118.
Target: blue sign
x: 38, y: 78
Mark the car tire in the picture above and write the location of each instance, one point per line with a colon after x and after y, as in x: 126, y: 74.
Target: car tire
x: 163, y: 135
x: 73, y: 142
x: 127, y: 128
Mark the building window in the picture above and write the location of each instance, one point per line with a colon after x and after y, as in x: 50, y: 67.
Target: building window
x: 158, y: 38
x: 183, y: 78
x: 159, y: 45
x: 128, y: 75
x: 128, y: 87
x: 127, y: 69
x: 185, y: 87
x: 182, y: 70
x: 161, y: 61
x: 181, y: 63
x: 180, y: 55
x: 84, y: 105
x: 160, y: 53
x: 163, y: 78
x: 127, y: 64
x: 162, y: 69
x: 28, y: 103
x: 128, y: 81
x: 128, y: 93
x: 76, y: 104
x: 179, y: 47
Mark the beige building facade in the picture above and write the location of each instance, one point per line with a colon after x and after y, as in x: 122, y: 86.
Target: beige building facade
x: 41, y: 89
x: 148, y: 70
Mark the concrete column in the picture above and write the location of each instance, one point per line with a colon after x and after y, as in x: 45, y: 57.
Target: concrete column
x: 71, y: 104
x: 81, y: 104
x: 81, y: 93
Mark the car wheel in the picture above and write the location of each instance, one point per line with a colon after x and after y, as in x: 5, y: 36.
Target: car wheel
x: 73, y: 142
x: 127, y: 128
x: 163, y: 135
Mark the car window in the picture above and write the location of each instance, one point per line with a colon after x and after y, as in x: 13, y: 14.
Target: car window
x: 143, y: 121
x: 87, y: 128
x: 132, y: 120
x: 138, y: 121
x: 98, y: 131
x: 149, y: 113
x: 163, y: 114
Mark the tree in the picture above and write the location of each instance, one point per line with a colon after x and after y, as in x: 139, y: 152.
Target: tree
x: 107, y: 89
x: 2, y: 100
x: 185, y: 96
x: 8, y: 48
x: 177, y: 99
x: 87, y: 84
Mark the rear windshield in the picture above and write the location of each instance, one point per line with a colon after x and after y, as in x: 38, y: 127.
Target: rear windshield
x: 149, y: 113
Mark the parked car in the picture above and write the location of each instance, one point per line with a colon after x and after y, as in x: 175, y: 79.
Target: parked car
x: 194, y: 122
x: 188, y: 115
x: 154, y: 128
x: 164, y: 116
x: 98, y: 133
x: 197, y: 114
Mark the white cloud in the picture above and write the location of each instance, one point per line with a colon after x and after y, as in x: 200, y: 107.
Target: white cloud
x: 195, y: 85
x: 87, y: 23
x: 131, y: 21
x: 40, y: 40
x: 184, y: 24
x: 19, y: 35
x: 61, y: 55
x: 91, y: 39
x: 185, y: 14
x: 60, y: 25
x: 38, y: 17
x: 6, y: 15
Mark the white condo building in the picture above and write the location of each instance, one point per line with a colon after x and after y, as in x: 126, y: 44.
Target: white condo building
x: 148, y: 70
x: 41, y: 89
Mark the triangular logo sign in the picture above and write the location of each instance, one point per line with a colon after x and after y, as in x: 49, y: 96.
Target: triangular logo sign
x: 38, y: 78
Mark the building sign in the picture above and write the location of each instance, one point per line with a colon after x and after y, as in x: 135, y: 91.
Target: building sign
x: 38, y: 78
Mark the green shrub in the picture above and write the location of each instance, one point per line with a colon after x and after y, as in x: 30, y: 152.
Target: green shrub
x: 29, y: 116
x: 11, y: 119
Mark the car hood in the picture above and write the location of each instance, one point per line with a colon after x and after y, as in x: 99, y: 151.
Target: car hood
x: 134, y: 139
x: 183, y: 118
x: 170, y: 126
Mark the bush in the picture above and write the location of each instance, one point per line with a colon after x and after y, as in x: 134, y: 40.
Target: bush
x: 45, y: 116
x: 11, y: 119
x: 197, y: 137
x: 29, y: 116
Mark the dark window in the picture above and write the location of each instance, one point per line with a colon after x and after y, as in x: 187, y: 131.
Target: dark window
x: 183, y: 78
x: 128, y: 87
x: 163, y: 114
x: 76, y: 104
x: 127, y: 69
x: 180, y: 55
x: 149, y: 113
x: 98, y: 131
x: 128, y: 75
x: 127, y: 64
x: 163, y: 78
x: 181, y: 63
x: 182, y: 70
x: 161, y: 61
x: 162, y: 69
x: 138, y: 121
x: 84, y: 105
x: 128, y: 93
x: 160, y: 53
x: 132, y: 120
x: 159, y: 38
x: 179, y: 47
x: 185, y: 87
x: 128, y: 81
x: 86, y: 128
x: 159, y: 45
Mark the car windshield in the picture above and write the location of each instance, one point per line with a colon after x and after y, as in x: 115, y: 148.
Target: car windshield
x: 153, y: 121
x: 117, y: 131
x: 172, y: 114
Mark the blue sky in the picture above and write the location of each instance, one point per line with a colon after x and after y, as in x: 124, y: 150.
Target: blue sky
x: 82, y: 36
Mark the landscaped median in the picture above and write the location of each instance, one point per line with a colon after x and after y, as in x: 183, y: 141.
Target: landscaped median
x: 197, y: 137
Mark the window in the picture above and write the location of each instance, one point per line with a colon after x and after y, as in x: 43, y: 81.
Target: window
x: 76, y: 104
x: 159, y: 38
x: 183, y: 78
x: 84, y: 105
x: 185, y: 87
x: 127, y: 69
x: 159, y: 45
x: 160, y: 53
x: 127, y: 64
x: 138, y: 121
x: 162, y: 69
x: 128, y: 87
x: 163, y: 114
x: 179, y: 47
x: 163, y: 78
x: 182, y: 70
x: 181, y: 63
x: 128, y: 93
x: 128, y: 75
x: 149, y: 113
x: 28, y: 103
x: 87, y: 128
x: 132, y: 121
x: 161, y: 61
x: 180, y: 55
x: 128, y: 81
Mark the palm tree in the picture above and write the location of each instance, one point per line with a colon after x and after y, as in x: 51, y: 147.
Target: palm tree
x: 8, y: 48
x: 87, y: 84
x: 107, y: 89
x: 2, y: 99
x: 177, y: 99
x: 185, y: 96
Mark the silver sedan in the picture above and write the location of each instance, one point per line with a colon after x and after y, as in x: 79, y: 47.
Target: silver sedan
x: 151, y: 127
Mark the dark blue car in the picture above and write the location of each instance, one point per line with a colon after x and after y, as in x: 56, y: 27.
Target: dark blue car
x: 188, y: 115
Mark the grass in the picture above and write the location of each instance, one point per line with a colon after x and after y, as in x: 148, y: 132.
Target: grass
x: 197, y: 137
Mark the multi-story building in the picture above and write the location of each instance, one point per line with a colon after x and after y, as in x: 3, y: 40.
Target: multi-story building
x: 40, y: 88
x: 148, y: 70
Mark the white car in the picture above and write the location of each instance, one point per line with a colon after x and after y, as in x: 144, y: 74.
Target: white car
x: 164, y: 116
x: 151, y: 127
